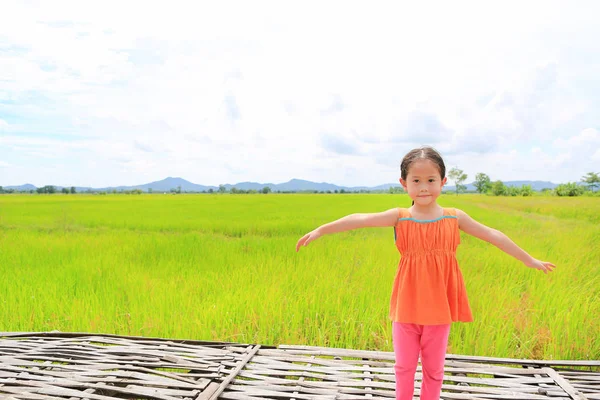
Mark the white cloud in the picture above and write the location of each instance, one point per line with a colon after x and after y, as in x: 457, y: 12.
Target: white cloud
x: 312, y: 90
x: 4, y: 127
x: 587, y: 139
x: 580, y: 152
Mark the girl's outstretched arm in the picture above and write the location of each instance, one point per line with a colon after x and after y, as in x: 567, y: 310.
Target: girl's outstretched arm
x: 500, y: 240
x: 349, y: 222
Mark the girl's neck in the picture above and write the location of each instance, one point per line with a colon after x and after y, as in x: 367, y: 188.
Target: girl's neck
x: 432, y: 210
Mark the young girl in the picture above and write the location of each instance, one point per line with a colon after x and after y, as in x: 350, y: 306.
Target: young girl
x: 428, y: 292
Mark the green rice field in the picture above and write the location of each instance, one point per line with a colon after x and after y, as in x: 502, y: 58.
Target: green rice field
x: 224, y: 267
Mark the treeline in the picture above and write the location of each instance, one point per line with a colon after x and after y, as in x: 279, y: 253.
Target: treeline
x: 483, y: 184
x: 232, y: 190
x: 49, y: 189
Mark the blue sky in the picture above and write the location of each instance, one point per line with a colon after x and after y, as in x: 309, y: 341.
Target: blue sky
x: 123, y: 93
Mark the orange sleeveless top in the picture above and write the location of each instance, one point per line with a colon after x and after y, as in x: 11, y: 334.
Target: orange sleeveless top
x: 429, y: 288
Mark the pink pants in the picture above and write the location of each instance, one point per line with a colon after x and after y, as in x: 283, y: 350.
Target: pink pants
x: 431, y: 341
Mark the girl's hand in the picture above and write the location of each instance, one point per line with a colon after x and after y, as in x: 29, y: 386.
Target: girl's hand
x: 306, y: 239
x: 543, y: 266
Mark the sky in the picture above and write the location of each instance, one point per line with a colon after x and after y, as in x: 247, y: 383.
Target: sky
x: 110, y: 93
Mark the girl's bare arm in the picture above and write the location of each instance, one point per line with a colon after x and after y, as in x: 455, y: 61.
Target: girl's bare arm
x: 349, y: 222
x: 500, y: 240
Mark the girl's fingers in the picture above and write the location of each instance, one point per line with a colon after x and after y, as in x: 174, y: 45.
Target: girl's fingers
x: 549, y: 266
x: 306, y: 239
x: 541, y: 267
x: 303, y: 241
x: 546, y: 266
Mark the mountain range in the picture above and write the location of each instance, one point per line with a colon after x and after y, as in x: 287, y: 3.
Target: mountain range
x: 294, y: 185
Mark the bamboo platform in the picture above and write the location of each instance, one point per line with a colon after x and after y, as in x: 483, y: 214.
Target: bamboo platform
x: 74, y: 366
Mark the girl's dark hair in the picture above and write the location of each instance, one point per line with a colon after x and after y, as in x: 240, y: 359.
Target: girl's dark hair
x: 422, y: 153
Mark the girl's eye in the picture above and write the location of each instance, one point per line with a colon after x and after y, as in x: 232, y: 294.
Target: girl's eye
x: 432, y: 180
x: 416, y: 180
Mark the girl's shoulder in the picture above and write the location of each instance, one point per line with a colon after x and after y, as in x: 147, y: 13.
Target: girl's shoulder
x: 452, y: 212
x: 403, y: 213
x: 460, y: 215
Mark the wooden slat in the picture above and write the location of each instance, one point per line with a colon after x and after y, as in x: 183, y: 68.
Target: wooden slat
x: 234, y: 373
x: 101, y: 367
x: 565, y: 384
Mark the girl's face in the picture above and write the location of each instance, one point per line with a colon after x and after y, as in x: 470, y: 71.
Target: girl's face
x: 423, y: 182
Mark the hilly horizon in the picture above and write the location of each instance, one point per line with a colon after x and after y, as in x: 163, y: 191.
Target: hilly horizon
x: 293, y: 185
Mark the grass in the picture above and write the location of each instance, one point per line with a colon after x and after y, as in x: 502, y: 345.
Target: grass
x: 223, y: 267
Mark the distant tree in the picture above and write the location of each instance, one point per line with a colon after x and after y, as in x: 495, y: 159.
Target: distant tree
x: 65, y: 190
x: 499, y: 189
x: 513, y: 191
x: 458, y: 176
x: 210, y: 190
x: 335, y: 191
x: 234, y: 190
x: 569, y: 189
x: 526, y: 190
x: 592, y: 179
x: 179, y: 189
x: 342, y: 191
x: 482, y: 182
x: 48, y: 189
x: 266, y: 190
x: 73, y: 191
x: 1, y: 189
x: 150, y: 190
x: 222, y: 189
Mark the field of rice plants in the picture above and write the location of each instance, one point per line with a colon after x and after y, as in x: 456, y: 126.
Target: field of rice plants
x: 224, y: 267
